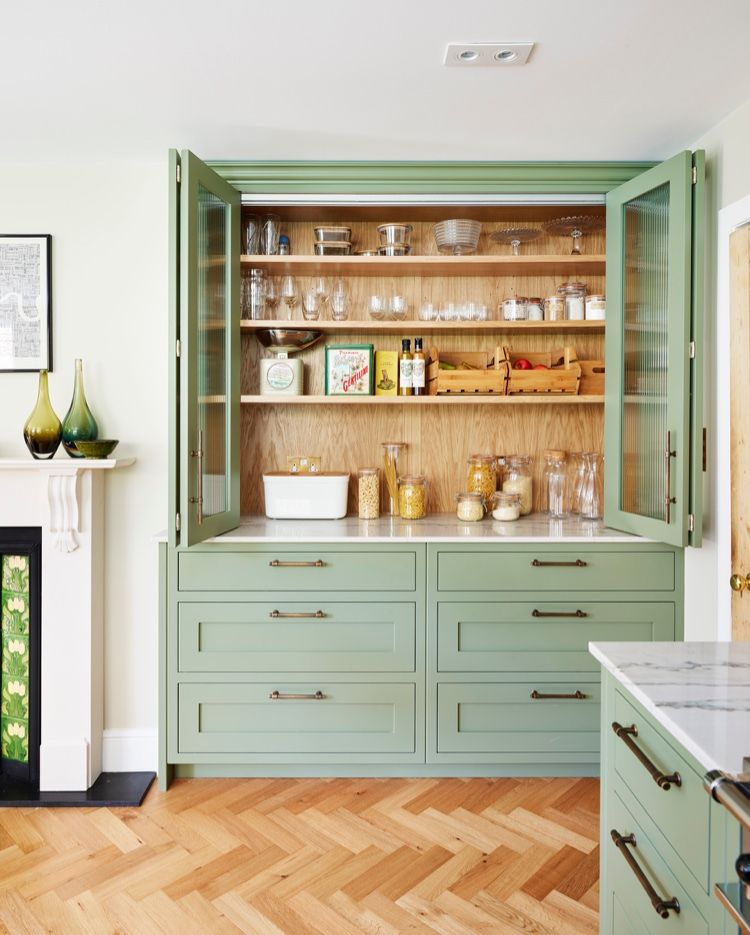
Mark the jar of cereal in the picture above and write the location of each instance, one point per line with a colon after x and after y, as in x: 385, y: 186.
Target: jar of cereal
x: 412, y: 496
x: 368, y: 493
x: 481, y: 475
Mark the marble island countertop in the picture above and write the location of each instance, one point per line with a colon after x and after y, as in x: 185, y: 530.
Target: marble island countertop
x: 700, y: 692
x: 439, y: 527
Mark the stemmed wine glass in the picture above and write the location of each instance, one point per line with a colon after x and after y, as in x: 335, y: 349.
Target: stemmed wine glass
x: 289, y: 295
x: 272, y: 295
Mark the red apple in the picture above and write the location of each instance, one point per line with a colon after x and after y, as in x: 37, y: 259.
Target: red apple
x: 522, y: 364
x: 541, y: 367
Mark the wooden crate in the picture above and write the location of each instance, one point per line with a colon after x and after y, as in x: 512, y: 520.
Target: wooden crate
x: 563, y: 375
x: 484, y: 373
x: 592, y: 377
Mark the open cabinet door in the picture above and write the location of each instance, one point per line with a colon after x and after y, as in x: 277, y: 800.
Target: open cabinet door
x: 209, y: 303
x: 652, y: 381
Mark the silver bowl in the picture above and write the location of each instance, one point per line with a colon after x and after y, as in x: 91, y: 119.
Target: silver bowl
x: 287, y: 340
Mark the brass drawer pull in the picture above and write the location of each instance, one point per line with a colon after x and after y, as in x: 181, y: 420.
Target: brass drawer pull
x: 577, y: 695
x: 578, y: 563
x: 662, y: 780
x: 290, y: 615
x: 662, y: 906
x: 319, y: 563
x: 294, y: 696
x: 558, y: 613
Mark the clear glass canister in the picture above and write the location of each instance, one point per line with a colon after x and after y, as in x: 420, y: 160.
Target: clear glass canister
x: 257, y: 294
x: 555, y: 483
x: 391, y: 453
x: 368, y: 493
x: 576, y: 471
x: 554, y: 308
x: 412, y: 496
x: 535, y: 309
x: 514, y: 309
x: 574, y: 294
x: 481, y: 475
x: 596, y: 307
x: 592, y: 492
x: 470, y: 507
x: 506, y: 507
x: 518, y: 479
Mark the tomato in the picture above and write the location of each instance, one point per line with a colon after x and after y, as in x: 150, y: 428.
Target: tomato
x: 541, y: 367
x: 522, y: 364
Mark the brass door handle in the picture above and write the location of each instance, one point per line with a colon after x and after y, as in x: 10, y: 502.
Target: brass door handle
x: 577, y: 695
x: 297, y: 696
x: 578, y: 563
x: 291, y: 615
x: 661, y: 906
x: 739, y: 582
x: 663, y: 781
x: 558, y: 613
x: 319, y: 563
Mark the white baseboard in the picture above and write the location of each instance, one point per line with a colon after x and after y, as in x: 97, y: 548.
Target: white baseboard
x: 129, y: 749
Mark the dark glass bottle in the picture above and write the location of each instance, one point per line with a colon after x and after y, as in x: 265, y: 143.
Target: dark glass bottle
x: 79, y: 423
x: 43, y: 431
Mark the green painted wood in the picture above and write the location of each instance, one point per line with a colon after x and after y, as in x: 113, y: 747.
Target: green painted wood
x: 682, y: 812
x: 420, y: 178
x: 501, y: 717
x: 506, y: 636
x: 677, y: 173
x: 342, y: 570
x: 173, y: 369
x: 164, y: 769
x: 697, y: 331
x: 195, y: 299
x: 229, y: 718
x: 351, y: 637
x: 467, y: 569
x: 624, y: 922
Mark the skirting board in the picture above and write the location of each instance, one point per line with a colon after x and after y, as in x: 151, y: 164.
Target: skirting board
x: 129, y: 750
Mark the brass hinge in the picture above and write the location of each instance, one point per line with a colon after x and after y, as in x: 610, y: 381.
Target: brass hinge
x: 705, y: 451
x: 691, y: 522
x: 178, y: 347
x: 691, y: 350
x: 179, y: 173
x: 177, y: 522
x: 695, y: 175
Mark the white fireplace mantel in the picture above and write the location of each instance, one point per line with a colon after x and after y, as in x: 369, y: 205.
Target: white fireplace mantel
x: 65, y: 497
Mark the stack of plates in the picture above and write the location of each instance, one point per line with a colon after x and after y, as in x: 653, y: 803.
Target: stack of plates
x: 333, y: 241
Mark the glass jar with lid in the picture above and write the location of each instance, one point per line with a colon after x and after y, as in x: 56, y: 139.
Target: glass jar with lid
x: 518, y: 479
x: 576, y: 473
x: 574, y: 294
x: 412, y: 496
x: 555, y: 483
x: 506, y: 507
x: 596, y: 307
x: 391, y: 454
x: 368, y: 493
x: 514, y: 309
x: 470, y: 507
x: 481, y: 475
x: 554, y: 308
x: 535, y: 309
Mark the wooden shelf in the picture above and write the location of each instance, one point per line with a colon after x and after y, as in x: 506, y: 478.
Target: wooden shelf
x: 501, y: 265
x: 464, y: 399
x: 432, y: 327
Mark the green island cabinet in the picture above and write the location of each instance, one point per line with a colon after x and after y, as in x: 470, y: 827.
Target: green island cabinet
x: 413, y: 655
x: 673, y: 834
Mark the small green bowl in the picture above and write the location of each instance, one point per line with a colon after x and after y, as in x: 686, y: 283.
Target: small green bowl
x: 100, y: 448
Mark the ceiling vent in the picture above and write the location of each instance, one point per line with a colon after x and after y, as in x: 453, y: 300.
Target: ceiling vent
x: 485, y: 54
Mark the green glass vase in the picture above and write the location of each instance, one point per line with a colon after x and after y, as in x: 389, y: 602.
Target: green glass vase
x: 79, y: 423
x: 42, y: 431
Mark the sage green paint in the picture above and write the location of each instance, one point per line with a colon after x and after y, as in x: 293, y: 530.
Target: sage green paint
x: 173, y: 368
x: 195, y: 174
x: 505, y: 636
x: 351, y: 637
x: 697, y: 331
x: 677, y: 173
x: 165, y: 770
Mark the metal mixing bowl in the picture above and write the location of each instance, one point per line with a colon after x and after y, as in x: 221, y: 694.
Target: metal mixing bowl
x: 287, y: 340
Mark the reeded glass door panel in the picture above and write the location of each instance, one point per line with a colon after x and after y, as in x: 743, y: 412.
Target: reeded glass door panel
x: 209, y: 375
x: 647, y: 405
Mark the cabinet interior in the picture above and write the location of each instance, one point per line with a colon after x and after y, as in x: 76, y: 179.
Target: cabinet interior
x: 440, y: 434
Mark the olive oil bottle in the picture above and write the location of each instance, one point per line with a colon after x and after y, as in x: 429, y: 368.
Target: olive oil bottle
x: 405, y: 369
x: 419, y: 366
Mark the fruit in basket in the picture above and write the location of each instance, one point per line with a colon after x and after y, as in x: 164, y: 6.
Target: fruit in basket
x: 541, y: 367
x: 444, y: 365
x: 522, y: 364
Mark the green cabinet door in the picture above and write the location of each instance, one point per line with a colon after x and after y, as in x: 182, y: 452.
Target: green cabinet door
x: 651, y: 322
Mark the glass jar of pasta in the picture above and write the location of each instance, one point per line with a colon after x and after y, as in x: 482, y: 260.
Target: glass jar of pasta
x: 481, y: 475
x: 412, y: 496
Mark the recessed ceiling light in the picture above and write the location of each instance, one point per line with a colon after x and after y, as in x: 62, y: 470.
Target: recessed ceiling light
x: 478, y: 54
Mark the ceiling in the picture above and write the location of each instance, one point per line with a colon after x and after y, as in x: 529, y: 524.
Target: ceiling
x: 340, y: 79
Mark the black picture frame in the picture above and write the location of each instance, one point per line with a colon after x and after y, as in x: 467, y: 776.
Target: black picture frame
x: 11, y: 259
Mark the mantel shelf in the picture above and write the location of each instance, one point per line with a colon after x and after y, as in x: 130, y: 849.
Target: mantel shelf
x: 502, y: 265
x: 64, y: 465
x: 462, y: 399
x: 353, y: 326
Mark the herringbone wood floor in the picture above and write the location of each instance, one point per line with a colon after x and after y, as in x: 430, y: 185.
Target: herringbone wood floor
x: 310, y: 857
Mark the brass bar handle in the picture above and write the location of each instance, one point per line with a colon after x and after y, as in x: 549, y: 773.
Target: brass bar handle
x: 668, y: 498
x: 662, y: 906
x: 663, y: 780
x: 577, y: 695
x: 578, y: 563
x: 297, y: 696
x: 290, y: 615
x: 558, y: 613
x: 198, y: 455
x: 319, y: 563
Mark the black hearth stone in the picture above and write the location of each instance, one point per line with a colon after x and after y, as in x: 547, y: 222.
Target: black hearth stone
x: 114, y: 790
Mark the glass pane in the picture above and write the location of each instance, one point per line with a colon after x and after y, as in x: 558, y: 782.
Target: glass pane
x: 644, y: 424
x: 213, y: 347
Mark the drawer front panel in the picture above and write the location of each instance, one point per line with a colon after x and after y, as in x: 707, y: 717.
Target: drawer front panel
x: 625, y: 884
x: 468, y: 570
x: 681, y: 813
x: 282, y: 570
x: 539, y: 637
x: 247, y: 637
x: 504, y: 718
x: 242, y: 718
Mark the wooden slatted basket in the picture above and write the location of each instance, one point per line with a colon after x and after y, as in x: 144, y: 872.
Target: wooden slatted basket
x: 480, y: 372
x: 563, y: 375
x: 592, y: 378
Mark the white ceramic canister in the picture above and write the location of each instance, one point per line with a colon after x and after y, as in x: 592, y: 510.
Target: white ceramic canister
x: 281, y: 376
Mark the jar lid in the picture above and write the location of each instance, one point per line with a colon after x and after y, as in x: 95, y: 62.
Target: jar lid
x: 535, y: 300
x: 555, y: 453
x: 595, y: 298
x: 515, y: 298
x: 572, y: 288
x: 412, y: 479
x: 393, y: 444
x: 481, y: 459
x: 369, y: 470
x: 505, y: 499
x: 554, y: 298
x: 405, y: 227
x: 473, y: 497
x: 519, y: 459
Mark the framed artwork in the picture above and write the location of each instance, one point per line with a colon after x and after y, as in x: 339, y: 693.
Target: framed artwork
x: 25, y: 302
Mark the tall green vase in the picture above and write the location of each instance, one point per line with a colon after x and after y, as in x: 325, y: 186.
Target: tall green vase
x: 42, y: 432
x: 79, y: 423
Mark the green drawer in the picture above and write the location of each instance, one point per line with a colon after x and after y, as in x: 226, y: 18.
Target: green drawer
x: 283, y: 570
x: 469, y: 570
x: 242, y: 718
x: 625, y: 922
x: 629, y: 892
x: 489, y: 717
x: 259, y: 637
x: 681, y: 813
x: 540, y: 636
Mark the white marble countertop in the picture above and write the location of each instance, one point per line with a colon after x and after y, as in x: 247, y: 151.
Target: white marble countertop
x: 699, y: 692
x: 440, y: 527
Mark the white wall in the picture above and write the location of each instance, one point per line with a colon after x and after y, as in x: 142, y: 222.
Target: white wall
x: 109, y: 278
x: 707, y: 570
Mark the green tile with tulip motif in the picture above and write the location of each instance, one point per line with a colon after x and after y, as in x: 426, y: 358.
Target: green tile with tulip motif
x: 14, y: 670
